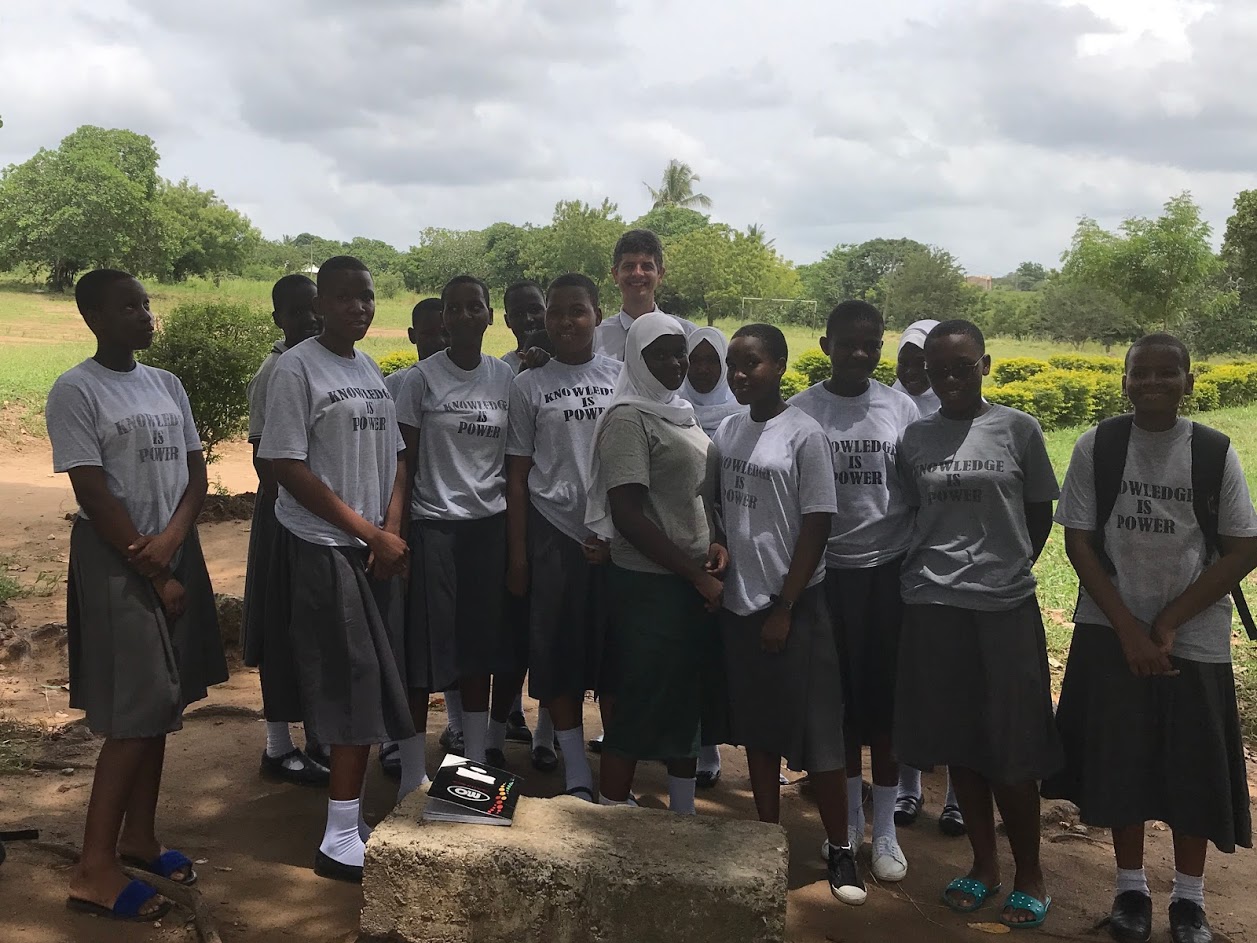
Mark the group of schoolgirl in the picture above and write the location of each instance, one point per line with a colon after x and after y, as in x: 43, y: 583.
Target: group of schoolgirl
x: 711, y: 588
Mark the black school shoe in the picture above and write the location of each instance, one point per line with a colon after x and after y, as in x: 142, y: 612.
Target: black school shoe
x: 452, y: 742
x: 305, y: 773
x: 495, y: 758
x: 544, y: 760
x: 328, y: 867
x: 1188, y: 923
x: 517, y: 729
x: 1131, y: 918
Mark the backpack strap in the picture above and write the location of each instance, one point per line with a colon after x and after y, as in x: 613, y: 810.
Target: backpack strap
x: 1209, y: 451
x: 1108, y: 464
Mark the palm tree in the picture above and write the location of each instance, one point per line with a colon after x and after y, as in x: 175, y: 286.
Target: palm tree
x: 756, y: 233
x: 677, y: 188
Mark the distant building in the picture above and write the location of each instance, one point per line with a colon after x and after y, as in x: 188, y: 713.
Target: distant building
x: 985, y: 282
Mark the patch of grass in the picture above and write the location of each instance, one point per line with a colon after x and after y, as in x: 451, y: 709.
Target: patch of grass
x: 9, y: 588
x: 17, y: 743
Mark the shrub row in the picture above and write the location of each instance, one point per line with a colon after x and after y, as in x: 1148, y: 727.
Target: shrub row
x: 398, y: 360
x: 814, y: 366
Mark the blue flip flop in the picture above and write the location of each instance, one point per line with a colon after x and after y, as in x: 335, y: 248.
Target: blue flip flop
x: 164, y: 865
x: 126, y: 905
x: 974, y: 888
x: 1019, y: 900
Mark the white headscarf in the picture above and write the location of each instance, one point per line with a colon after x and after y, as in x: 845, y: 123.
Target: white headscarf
x: 636, y: 387
x: 916, y: 333
x: 712, y: 407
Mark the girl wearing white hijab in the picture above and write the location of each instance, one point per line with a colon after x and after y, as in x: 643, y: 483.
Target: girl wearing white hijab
x: 652, y: 470
x: 707, y: 385
x: 910, y: 375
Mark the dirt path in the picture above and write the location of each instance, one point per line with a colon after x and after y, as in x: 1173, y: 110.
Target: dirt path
x: 257, y: 838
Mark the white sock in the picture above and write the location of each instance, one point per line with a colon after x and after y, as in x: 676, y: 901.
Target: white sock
x: 278, y: 739
x: 1132, y: 879
x: 855, y: 805
x: 543, y: 732
x: 681, y: 794
x: 414, y: 765
x: 364, y: 830
x: 496, y: 735
x: 518, y: 706
x: 951, y: 792
x: 884, y: 811
x: 454, y: 710
x: 341, y: 841
x: 709, y: 759
x: 909, y: 781
x: 1187, y: 887
x: 475, y: 727
x: 576, y: 770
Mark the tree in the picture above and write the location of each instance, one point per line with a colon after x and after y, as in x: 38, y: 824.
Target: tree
x: 756, y: 233
x: 442, y: 254
x: 376, y: 254
x: 1074, y: 312
x: 677, y: 188
x: 1028, y: 276
x: 671, y: 222
x: 198, y: 234
x: 1162, y: 269
x: 504, y: 252
x: 580, y: 238
x: 858, y: 271
x: 87, y: 203
x: 1009, y: 313
x: 711, y: 270
x: 925, y: 284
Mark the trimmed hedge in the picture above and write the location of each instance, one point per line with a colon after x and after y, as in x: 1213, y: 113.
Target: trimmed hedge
x: 814, y: 365
x: 398, y: 360
x: 795, y: 381
x: 1086, y: 362
x: 1018, y: 368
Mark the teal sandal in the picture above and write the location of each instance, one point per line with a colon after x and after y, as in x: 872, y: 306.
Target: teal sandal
x: 974, y: 888
x: 1031, y: 905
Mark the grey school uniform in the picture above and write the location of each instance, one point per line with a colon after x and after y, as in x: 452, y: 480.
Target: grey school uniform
x: 1168, y: 749
x: 264, y: 528
x: 788, y: 703
x: 335, y: 653
x: 973, y: 687
x: 455, y: 620
x: 132, y: 670
x: 554, y: 410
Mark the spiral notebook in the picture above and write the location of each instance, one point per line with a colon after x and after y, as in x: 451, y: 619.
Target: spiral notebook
x: 474, y: 793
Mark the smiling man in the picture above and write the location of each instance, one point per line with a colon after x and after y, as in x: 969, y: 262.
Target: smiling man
x: 637, y: 268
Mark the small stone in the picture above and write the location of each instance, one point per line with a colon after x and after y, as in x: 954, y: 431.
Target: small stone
x: 68, y: 771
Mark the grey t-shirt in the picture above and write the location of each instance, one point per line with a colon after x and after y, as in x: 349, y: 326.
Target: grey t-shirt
x: 554, y: 410
x: 513, y: 360
x: 255, y: 392
x: 334, y: 414
x: 461, y: 416
x: 927, y: 403
x: 136, y: 425
x: 396, y: 381
x: 771, y: 474
x: 1152, y: 536
x: 677, y: 464
x: 970, y: 480
x: 612, y: 334
x: 873, y: 520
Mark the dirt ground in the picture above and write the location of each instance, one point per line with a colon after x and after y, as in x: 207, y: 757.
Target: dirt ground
x: 254, y: 840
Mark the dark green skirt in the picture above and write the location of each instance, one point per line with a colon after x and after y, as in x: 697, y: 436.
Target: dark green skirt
x: 662, y: 665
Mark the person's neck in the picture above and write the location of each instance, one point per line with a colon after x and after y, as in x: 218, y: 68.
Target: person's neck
x: 769, y: 408
x: 465, y: 358
x: 291, y: 342
x: 340, y: 346
x: 847, y: 387
x: 584, y: 355
x: 1156, y: 422
x: 637, y: 309
x: 968, y: 413
x: 115, y: 358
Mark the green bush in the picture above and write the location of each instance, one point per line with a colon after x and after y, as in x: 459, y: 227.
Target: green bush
x: 1077, y: 391
x: 398, y: 360
x: 884, y: 372
x: 1236, y: 383
x: 814, y: 365
x: 1107, y: 398
x: 792, y: 382
x: 1044, y: 401
x: 1086, y: 362
x: 1204, y: 398
x: 1017, y: 369
x: 388, y: 285
x: 215, y: 348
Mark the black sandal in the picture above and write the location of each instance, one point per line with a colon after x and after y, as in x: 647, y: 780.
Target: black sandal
x: 308, y: 773
x: 326, y: 866
x: 907, y: 808
x: 951, y: 822
x: 391, y: 759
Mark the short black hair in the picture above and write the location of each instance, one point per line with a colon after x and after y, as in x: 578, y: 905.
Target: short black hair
x: 854, y: 311
x: 287, y: 286
x: 516, y: 287
x: 427, y: 305
x: 1161, y: 339
x: 769, y: 335
x: 638, y: 240
x: 540, y: 339
x: 575, y: 280
x: 89, y: 291
x: 339, y: 263
x: 958, y: 327
x: 465, y: 280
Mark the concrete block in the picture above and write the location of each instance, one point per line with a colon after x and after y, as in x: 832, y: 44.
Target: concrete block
x: 569, y: 871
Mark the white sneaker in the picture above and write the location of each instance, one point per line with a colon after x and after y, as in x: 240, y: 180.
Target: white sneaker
x: 889, y: 863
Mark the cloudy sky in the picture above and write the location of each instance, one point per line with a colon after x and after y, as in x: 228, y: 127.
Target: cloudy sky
x: 984, y: 126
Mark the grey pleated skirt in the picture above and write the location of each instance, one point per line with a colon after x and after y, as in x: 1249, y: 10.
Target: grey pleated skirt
x: 132, y: 671
x: 568, y: 611
x: 263, y: 533
x: 788, y: 703
x: 974, y: 691
x: 455, y: 620
x: 333, y: 645
x: 1151, y: 749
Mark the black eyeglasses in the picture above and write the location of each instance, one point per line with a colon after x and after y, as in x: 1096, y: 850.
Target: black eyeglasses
x: 957, y: 371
